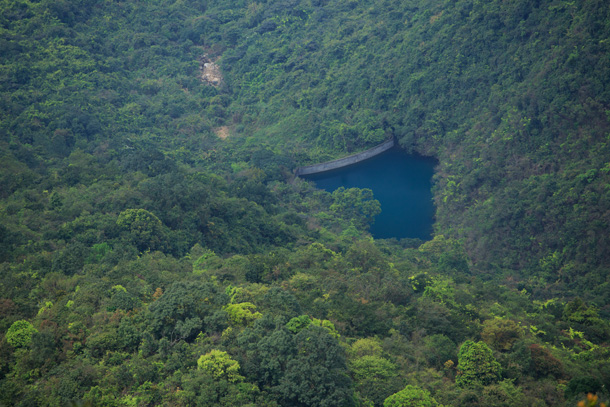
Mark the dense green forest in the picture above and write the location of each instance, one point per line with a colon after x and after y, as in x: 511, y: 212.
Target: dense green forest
x: 156, y: 249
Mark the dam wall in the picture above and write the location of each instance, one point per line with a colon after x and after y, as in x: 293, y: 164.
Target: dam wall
x: 344, y: 162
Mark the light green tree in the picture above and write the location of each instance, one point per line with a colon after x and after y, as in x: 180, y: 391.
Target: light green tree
x: 411, y: 396
x: 220, y: 366
x: 366, y: 347
x: 20, y: 334
x: 372, y: 367
x: 297, y: 324
x: 242, y: 314
x: 476, y: 364
x: 374, y: 377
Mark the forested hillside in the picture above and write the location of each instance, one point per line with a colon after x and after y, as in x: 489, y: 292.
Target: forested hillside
x: 155, y: 248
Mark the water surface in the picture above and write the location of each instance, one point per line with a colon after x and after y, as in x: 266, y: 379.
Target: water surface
x: 401, y: 183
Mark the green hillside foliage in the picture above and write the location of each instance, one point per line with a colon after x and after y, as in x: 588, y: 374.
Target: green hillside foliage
x: 147, y: 259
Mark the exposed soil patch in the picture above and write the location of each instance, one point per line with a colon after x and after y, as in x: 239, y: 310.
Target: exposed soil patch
x: 222, y: 132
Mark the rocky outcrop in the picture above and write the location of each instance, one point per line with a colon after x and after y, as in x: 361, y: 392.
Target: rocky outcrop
x: 210, y: 71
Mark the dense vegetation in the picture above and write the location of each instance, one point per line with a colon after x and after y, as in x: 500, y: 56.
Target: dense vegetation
x: 146, y: 261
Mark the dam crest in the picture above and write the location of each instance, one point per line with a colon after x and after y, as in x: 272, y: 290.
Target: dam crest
x: 345, y: 161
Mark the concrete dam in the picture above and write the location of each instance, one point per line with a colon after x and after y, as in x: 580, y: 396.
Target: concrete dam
x: 344, y: 162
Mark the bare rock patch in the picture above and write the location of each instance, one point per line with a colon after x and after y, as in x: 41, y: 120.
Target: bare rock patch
x: 210, y: 71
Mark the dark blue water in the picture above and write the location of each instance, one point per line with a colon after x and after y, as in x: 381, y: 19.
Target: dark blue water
x: 400, y: 182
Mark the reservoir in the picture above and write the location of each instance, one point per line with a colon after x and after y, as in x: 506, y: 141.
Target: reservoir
x: 401, y: 183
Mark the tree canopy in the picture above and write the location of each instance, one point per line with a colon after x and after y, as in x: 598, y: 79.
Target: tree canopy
x: 156, y: 248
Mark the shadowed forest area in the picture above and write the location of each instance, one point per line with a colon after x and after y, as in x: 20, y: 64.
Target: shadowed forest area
x: 156, y: 249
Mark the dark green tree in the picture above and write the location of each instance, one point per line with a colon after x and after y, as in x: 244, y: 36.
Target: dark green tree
x: 179, y: 312
x: 317, y: 375
x: 355, y: 204
x: 145, y: 230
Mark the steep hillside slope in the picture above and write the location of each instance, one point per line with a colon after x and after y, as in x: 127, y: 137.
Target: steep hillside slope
x: 156, y: 250
x: 511, y: 97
